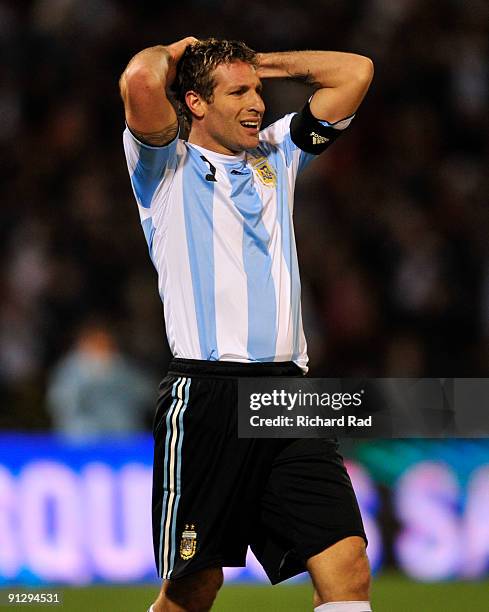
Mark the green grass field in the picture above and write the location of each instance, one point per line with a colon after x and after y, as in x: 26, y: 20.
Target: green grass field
x: 390, y: 593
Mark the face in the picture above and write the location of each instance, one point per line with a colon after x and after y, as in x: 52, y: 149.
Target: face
x: 231, y: 122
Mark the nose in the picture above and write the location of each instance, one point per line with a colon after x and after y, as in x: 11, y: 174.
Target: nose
x: 257, y: 104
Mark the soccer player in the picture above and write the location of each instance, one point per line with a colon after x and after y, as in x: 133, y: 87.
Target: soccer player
x: 216, y: 211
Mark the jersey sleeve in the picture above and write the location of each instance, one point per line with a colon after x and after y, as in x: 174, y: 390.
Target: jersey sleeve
x: 149, y: 167
x: 301, y: 137
x: 151, y: 170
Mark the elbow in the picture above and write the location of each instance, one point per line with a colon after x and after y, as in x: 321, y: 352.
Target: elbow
x: 364, y: 70
x: 139, y: 77
x: 123, y: 86
x: 137, y: 81
x: 144, y: 72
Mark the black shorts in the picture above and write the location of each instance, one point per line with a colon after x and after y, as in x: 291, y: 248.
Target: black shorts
x: 215, y: 494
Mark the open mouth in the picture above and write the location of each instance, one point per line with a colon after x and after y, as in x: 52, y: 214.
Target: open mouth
x: 251, y: 126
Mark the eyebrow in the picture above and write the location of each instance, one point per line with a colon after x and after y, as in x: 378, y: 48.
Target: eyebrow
x: 244, y: 87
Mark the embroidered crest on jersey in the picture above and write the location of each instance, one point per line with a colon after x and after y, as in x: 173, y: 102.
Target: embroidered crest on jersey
x: 188, y: 543
x: 264, y: 171
x: 318, y: 139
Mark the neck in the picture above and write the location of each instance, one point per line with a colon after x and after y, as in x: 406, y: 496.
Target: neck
x: 203, y: 139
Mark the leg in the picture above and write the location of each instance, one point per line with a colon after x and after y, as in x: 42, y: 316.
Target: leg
x: 194, y: 593
x: 341, y: 572
x: 198, y: 496
x: 308, y: 503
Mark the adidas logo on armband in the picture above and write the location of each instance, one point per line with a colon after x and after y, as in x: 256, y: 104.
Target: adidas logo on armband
x: 317, y: 139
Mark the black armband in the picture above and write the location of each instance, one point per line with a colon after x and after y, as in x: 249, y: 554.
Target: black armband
x: 309, y: 133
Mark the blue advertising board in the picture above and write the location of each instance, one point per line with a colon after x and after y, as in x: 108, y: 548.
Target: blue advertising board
x: 79, y: 512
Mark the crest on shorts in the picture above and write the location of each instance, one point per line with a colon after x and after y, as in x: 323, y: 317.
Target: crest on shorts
x: 188, y: 542
x: 265, y: 171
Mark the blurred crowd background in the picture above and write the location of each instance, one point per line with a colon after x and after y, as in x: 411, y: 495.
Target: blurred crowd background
x: 391, y: 223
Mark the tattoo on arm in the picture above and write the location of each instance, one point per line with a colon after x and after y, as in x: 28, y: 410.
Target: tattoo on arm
x: 306, y: 78
x: 157, y: 139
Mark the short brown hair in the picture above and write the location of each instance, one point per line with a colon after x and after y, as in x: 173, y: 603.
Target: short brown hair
x: 195, y: 68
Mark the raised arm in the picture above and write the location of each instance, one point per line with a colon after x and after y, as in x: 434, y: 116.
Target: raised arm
x: 342, y: 79
x: 143, y: 84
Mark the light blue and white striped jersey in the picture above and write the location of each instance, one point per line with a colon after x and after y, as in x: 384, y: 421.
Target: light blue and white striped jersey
x: 220, y: 234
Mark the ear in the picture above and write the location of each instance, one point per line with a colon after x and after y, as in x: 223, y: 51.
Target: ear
x: 196, y: 104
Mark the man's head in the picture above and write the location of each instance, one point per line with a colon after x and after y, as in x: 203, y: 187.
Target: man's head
x: 219, y: 93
